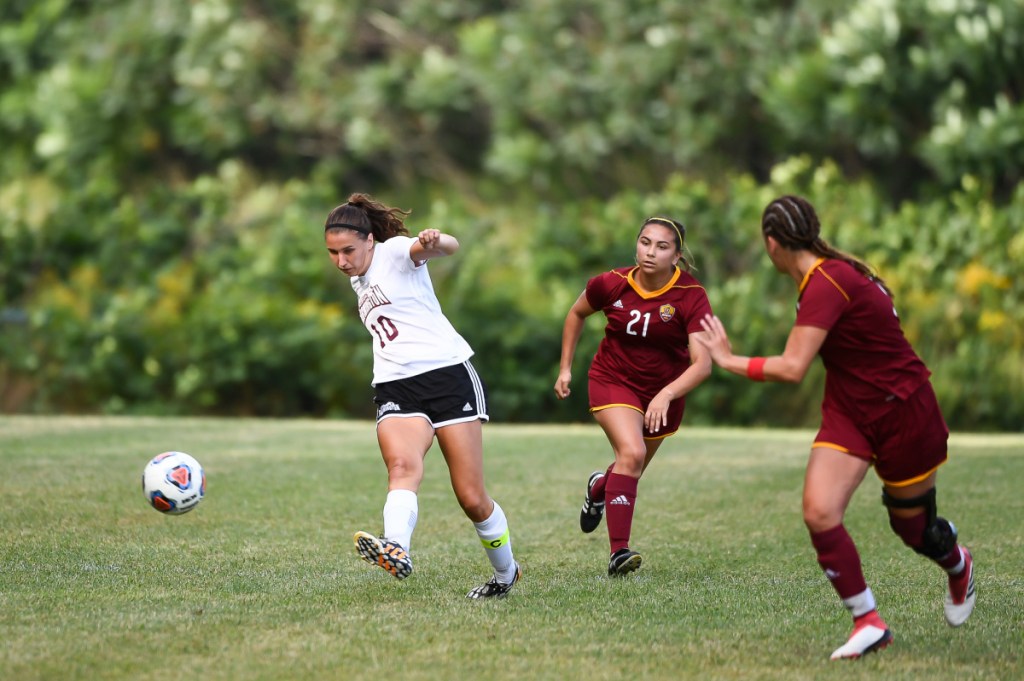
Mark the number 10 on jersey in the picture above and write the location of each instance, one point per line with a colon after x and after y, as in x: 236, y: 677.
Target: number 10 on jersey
x: 384, y: 329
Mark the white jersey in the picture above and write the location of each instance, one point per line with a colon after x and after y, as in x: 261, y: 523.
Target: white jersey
x: 398, y: 306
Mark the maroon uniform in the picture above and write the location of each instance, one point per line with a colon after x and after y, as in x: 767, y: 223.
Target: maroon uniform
x: 878, y: 401
x: 645, y: 346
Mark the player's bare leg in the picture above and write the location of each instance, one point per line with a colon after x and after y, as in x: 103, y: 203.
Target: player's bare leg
x: 403, y: 444
x: 831, y: 478
x: 462, y: 446
x: 624, y: 428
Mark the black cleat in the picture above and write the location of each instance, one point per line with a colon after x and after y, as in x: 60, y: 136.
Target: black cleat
x: 592, y: 511
x: 623, y: 562
x: 495, y: 589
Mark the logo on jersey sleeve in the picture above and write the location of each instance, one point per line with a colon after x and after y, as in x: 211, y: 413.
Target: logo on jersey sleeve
x: 666, y: 312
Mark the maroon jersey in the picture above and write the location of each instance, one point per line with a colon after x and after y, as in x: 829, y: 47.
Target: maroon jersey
x: 645, y: 341
x: 868, y: 361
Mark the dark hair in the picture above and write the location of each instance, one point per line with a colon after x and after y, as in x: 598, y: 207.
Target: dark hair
x: 678, y: 237
x: 793, y: 222
x: 362, y: 214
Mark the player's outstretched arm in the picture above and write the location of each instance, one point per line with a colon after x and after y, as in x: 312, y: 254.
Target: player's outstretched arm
x: 432, y: 243
x: 789, y: 367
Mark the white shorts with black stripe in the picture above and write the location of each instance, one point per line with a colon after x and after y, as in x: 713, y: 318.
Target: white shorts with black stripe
x: 454, y: 394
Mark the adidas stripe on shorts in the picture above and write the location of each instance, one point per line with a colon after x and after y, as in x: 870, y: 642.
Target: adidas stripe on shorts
x: 445, y: 396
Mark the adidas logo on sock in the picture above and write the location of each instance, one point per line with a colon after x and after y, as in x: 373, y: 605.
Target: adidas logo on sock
x: 620, y: 500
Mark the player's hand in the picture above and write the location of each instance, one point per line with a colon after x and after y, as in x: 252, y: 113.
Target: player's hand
x: 715, y: 339
x: 429, y: 238
x: 562, y: 384
x: 656, y: 415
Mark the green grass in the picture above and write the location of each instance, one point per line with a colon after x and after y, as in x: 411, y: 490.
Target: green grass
x: 261, y: 581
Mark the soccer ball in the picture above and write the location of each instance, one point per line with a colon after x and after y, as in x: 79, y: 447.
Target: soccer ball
x: 173, y: 483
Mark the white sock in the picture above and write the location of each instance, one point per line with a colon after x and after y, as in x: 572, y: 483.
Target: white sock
x: 495, y: 537
x: 861, y: 604
x: 400, y: 512
x: 959, y: 567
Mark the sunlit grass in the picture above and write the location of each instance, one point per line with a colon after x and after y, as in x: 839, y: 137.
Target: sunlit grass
x: 261, y: 582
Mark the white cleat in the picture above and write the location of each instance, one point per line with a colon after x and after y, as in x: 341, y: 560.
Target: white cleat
x: 959, y: 601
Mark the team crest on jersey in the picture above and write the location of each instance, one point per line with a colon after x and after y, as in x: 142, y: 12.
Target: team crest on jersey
x: 666, y: 312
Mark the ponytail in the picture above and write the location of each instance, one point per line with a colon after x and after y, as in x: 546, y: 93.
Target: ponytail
x: 793, y: 222
x: 364, y: 215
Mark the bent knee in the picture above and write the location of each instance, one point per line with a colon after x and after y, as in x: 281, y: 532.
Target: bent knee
x: 403, y: 467
x: 630, y: 462
x: 477, y: 505
x: 820, y: 517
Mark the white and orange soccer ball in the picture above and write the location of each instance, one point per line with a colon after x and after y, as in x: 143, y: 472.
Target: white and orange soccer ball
x: 173, y: 483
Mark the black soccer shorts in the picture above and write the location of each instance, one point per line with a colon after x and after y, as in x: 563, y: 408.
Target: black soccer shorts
x: 446, y: 396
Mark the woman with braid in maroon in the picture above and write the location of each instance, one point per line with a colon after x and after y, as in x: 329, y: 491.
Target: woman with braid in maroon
x: 643, y: 369
x: 879, y: 409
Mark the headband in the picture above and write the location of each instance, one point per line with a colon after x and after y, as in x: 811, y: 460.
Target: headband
x: 670, y: 223
x: 347, y: 225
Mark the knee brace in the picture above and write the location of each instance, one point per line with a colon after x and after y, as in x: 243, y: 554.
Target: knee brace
x: 939, y: 535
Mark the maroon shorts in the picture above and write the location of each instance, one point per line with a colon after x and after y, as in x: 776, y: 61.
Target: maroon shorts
x: 605, y: 394
x: 905, y: 445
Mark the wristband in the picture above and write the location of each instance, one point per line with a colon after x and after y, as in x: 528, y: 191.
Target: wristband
x: 755, y: 368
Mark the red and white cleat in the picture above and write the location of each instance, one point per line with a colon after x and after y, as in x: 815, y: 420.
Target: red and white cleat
x: 959, y: 601
x: 870, y: 633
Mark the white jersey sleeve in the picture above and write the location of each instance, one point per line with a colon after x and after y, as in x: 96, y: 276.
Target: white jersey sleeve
x: 399, y: 308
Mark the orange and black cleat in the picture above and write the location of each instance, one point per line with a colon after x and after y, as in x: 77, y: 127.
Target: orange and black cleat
x: 386, y: 554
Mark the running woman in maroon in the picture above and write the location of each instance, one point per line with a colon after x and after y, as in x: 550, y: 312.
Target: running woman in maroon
x: 643, y: 369
x: 879, y: 410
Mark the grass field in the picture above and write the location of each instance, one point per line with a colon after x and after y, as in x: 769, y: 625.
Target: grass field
x: 261, y: 581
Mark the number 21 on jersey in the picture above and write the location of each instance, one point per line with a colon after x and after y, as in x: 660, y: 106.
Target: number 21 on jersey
x: 634, y: 328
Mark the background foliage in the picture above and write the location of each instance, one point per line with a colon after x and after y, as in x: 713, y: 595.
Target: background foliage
x: 167, y: 168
